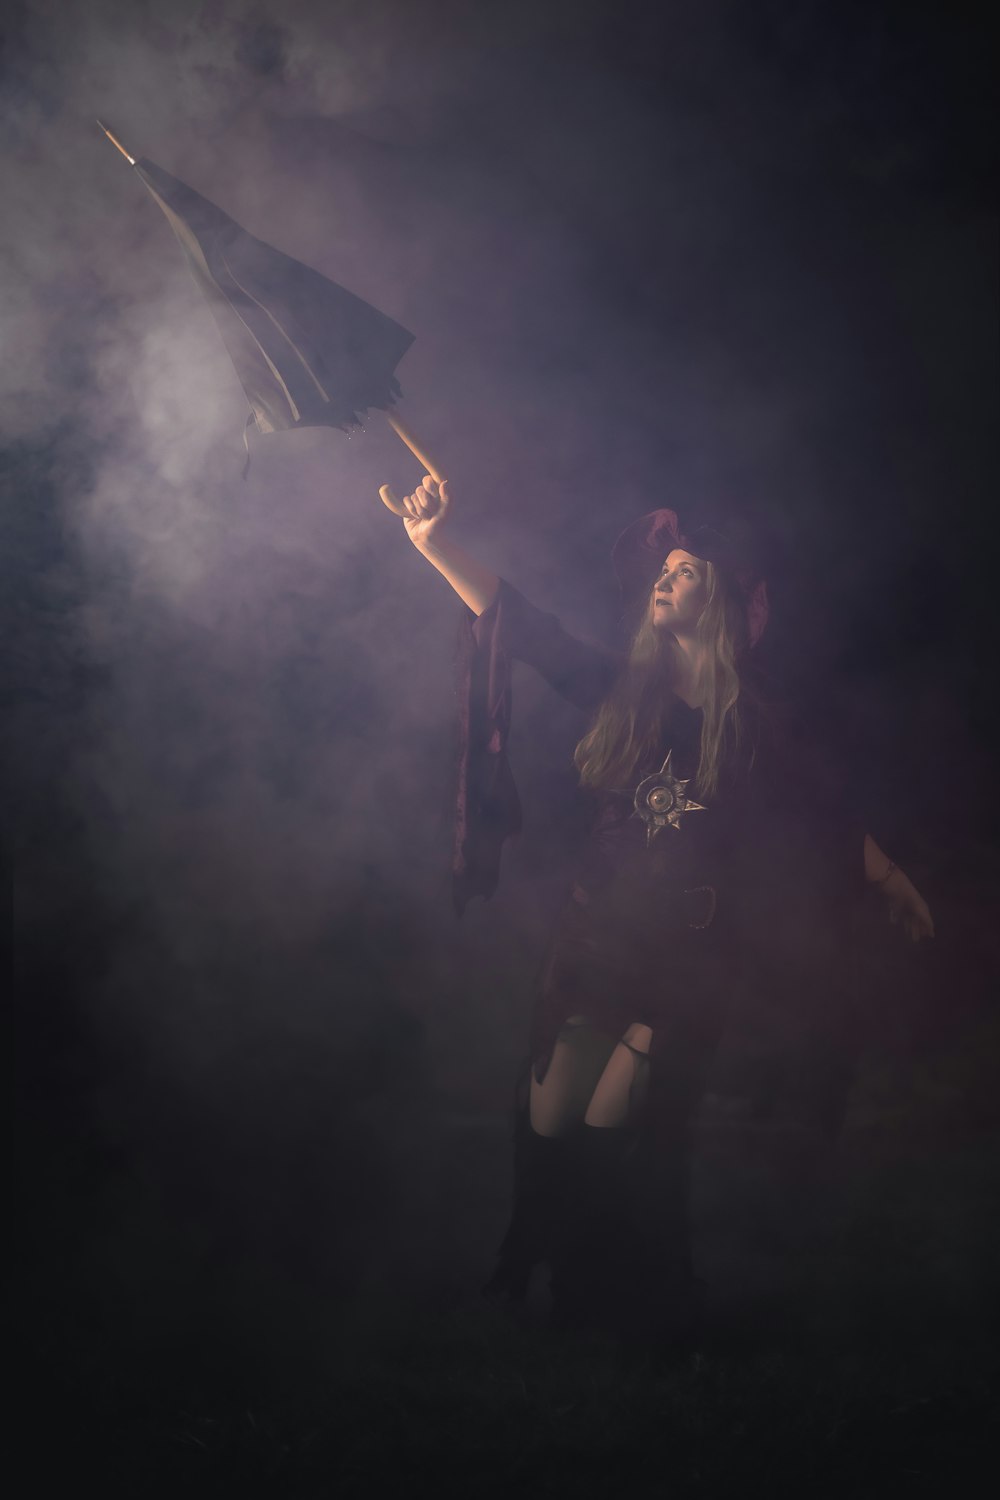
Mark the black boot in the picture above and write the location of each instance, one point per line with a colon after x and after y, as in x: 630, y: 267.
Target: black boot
x: 666, y: 1298
x: 541, y: 1180
x: 622, y: 1261
x: 588, y: 1260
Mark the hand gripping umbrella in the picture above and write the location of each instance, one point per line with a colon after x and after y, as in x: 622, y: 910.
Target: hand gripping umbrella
x: 308, y: 353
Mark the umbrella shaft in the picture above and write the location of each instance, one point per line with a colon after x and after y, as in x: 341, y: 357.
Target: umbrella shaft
x: 414, y: 445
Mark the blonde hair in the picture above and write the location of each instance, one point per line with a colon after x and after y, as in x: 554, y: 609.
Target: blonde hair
x: 627, y: 731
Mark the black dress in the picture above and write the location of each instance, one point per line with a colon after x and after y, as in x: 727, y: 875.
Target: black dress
x: 673, y: 912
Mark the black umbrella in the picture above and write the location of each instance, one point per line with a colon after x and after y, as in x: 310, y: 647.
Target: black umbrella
x: 308, y: 353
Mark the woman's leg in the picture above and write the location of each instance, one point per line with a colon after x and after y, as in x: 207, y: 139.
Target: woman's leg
x: 658, y: 1268
x: 545, y: 1155
x: 588, y: 1253
x: 620, y: 1091
x: 626, y: 1261
x: 579, y: 1060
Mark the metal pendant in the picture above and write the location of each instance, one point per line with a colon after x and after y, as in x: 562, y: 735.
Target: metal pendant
x: 661, y: 801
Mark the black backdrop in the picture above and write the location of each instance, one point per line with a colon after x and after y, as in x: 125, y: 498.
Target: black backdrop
x: 667, y: 256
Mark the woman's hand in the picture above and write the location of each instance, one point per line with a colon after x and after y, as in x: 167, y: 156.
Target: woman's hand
x: 907, y: 906
x: 426, y: 512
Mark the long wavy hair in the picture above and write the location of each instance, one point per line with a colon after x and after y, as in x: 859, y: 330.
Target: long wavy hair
x: 628, y: 728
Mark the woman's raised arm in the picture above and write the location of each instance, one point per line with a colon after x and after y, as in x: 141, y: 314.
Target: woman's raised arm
x: 426, y: 516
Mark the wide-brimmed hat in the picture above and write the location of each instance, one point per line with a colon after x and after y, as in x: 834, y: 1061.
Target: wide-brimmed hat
x: 731, y: 546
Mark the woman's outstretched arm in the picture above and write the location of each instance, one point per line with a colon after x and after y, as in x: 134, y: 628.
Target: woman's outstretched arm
x: 426, y: 516
x: 906, y: 904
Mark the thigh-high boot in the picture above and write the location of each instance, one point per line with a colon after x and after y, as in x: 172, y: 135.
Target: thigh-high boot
x: 588, y: 1249
x: 665, y: 1298
x: 542, y: 1167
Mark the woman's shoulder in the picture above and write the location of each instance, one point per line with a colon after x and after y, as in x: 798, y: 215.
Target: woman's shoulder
x: 764, y: 701
x: 789, y: 750
x: 768, y: 724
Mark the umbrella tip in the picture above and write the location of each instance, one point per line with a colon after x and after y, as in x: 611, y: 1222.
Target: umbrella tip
x: 116, y: 142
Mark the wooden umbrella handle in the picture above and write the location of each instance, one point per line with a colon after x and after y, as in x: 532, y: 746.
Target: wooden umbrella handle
x: 417, y: 449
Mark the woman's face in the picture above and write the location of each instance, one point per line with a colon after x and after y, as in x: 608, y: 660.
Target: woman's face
x: 680, y: 593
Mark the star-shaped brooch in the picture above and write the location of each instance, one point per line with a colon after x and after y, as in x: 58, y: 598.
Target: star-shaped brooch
x: 661, y: 801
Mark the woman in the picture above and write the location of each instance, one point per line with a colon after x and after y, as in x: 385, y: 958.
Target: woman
x: 716, y: 860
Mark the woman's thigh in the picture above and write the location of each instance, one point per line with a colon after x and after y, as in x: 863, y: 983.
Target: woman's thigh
x: 579, y: 1058
x: 620, y: 1091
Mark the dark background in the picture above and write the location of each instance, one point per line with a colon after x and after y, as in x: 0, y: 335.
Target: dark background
x: 725, y: 254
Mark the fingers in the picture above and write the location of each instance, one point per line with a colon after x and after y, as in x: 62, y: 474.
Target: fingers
x: 921, y: 925
x: 427, y: 501
x: 917, y: 922
x: 921, y: 921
